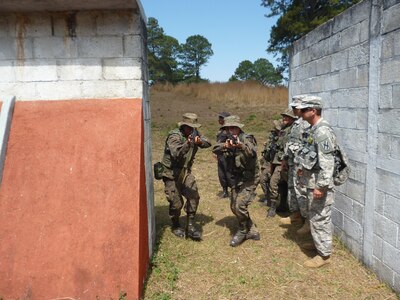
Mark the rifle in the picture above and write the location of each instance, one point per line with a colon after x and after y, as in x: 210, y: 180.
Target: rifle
x: 233, y: 139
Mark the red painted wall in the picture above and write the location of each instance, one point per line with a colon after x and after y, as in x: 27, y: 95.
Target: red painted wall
x: 73, y: 214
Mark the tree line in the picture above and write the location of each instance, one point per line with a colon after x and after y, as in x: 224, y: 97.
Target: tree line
x: 170, y: 61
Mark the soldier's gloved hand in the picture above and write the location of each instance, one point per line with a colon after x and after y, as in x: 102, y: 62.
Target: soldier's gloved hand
x: 198, y: 140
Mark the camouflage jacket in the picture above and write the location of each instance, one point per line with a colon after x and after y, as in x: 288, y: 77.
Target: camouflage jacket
x: 176, y: 153
x: 316, y: 155
x: 294, y: 139
x: 242, y: 164
x: 280, y: 145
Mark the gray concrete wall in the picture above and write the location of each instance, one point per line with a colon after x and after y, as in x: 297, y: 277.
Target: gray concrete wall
x: 353, y: 63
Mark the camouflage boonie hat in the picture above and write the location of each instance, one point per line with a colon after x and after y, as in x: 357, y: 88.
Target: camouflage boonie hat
x: 311, y: 102
x: 289, y: 113
x: 296, y: 100
x: 232, y: 121
x: 189, y: 119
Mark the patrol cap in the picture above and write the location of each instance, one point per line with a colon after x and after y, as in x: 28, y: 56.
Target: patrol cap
x: 224, y: 114
x: 232, y: 121
x: 189, y: 119
x: 289, y: 113
x: 310, y: 102
x: 296, y: 100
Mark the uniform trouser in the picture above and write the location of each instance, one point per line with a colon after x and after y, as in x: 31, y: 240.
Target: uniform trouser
x: 297, y: 194
x: 241, y: 198
x: 174, y: 192
x: 265, y: 175
x: 222, y: 171
x: 320, y: 221
x: 274, y: 185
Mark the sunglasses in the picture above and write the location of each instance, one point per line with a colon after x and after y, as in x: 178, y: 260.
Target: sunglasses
x: 303, y: 110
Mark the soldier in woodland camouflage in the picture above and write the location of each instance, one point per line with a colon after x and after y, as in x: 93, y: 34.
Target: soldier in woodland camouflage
x: 278, y: 176
x: 296, y: 195
x: 181, y: 146
x: 222, y: 136
x: 267, y: 156
x: 241, y: 154
x: 315, y: 164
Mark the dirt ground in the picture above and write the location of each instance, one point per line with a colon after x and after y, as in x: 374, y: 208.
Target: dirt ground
x: 267, y: 269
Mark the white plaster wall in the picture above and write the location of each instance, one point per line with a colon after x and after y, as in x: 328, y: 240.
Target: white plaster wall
x: 353, y: 63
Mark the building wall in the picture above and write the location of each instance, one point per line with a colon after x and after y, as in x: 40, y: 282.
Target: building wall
x: 353, y: 63
x: 79, y: 57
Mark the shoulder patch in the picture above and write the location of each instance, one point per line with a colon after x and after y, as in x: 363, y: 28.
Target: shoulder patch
x: 325, y: 145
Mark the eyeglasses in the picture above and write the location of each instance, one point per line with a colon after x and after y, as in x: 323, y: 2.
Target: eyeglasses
x: 303, y: 110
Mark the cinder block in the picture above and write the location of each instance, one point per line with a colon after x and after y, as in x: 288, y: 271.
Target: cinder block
x: 396, y: 45
x: 341, y: 22
x: 133, y: 46
x: 337, y: 217
x: 388, y: 164
x: 4, y: 26
x: 385, y: 229
x: 392, y: 210
x: 103, y: 89
x: 35, y: 24
x: 354, y: 246
x: 21, y: 90
x: 390, y: 20
x: 339, y: 61
x: 384, y: 272
x: 362, y: 75
x: 347, y: 118
x: 391, y: 257
x: 96, y: 47
x: 390, y: 70
x: 59, y: 90
x: 396, y: 96
x: 358, y: 171
x: 358, y: 212
x: 353, y: 229
x: 350, y: 37
x: 355, y: 97
x: 8, y: 48
x: 388, y: 182
x: 295, y: 61
x: 387, y: 48
x: 332, y: 116
x: 37, y: 70
x: 323, y: 65
x: 86, y: 23
x: 79, y: 69
x: 379, y: 202
x: 377, y: 247
x: 343, y: 204
x: 122, y: 68
x: 360, y: 11
x: 364, y: 30
x: 385, y: 97
x: 347, y: 78
x: 358, y: 55
x: 384, y: 148
x: 55, y: 47
x: 356, y: 191
x: 113, y: 22
x: 395, y: 147
x: 134, y: 88
x: 385, y: 121
x: 7, y: 71
x: 362, y: 119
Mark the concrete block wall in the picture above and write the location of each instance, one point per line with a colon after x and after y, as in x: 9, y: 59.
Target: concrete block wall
x: 353, y: 63
x: 79, y: 55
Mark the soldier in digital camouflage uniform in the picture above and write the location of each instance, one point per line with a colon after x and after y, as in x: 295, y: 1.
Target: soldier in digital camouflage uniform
x: 296, y: 195
x: 241, y: 156
x: 278, y: 175
x: 222, y: 136
x: 181, y: 146
x: 267, y: 156
x: 315, y: 164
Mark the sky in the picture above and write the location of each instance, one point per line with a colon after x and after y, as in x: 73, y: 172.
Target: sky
x: 237, y: 30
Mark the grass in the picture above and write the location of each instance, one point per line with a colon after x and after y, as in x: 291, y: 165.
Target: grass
x: 268, y: 269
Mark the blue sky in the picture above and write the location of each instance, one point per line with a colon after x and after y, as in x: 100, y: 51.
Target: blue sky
x: 237, y: 30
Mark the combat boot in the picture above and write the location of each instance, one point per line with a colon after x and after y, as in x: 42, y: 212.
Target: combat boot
x: 294, y: 218
x: 308, y: 246
x: 317, y: 261
x: 305, y: 229
x: 193, y: 233
x: 176, y: 227
x: 253, y: 233
x: 240, y: 235
x: 272, y: 210
x: 225, y: 193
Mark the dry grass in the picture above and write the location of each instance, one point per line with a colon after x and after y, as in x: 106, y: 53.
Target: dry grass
x: 210, y: 269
